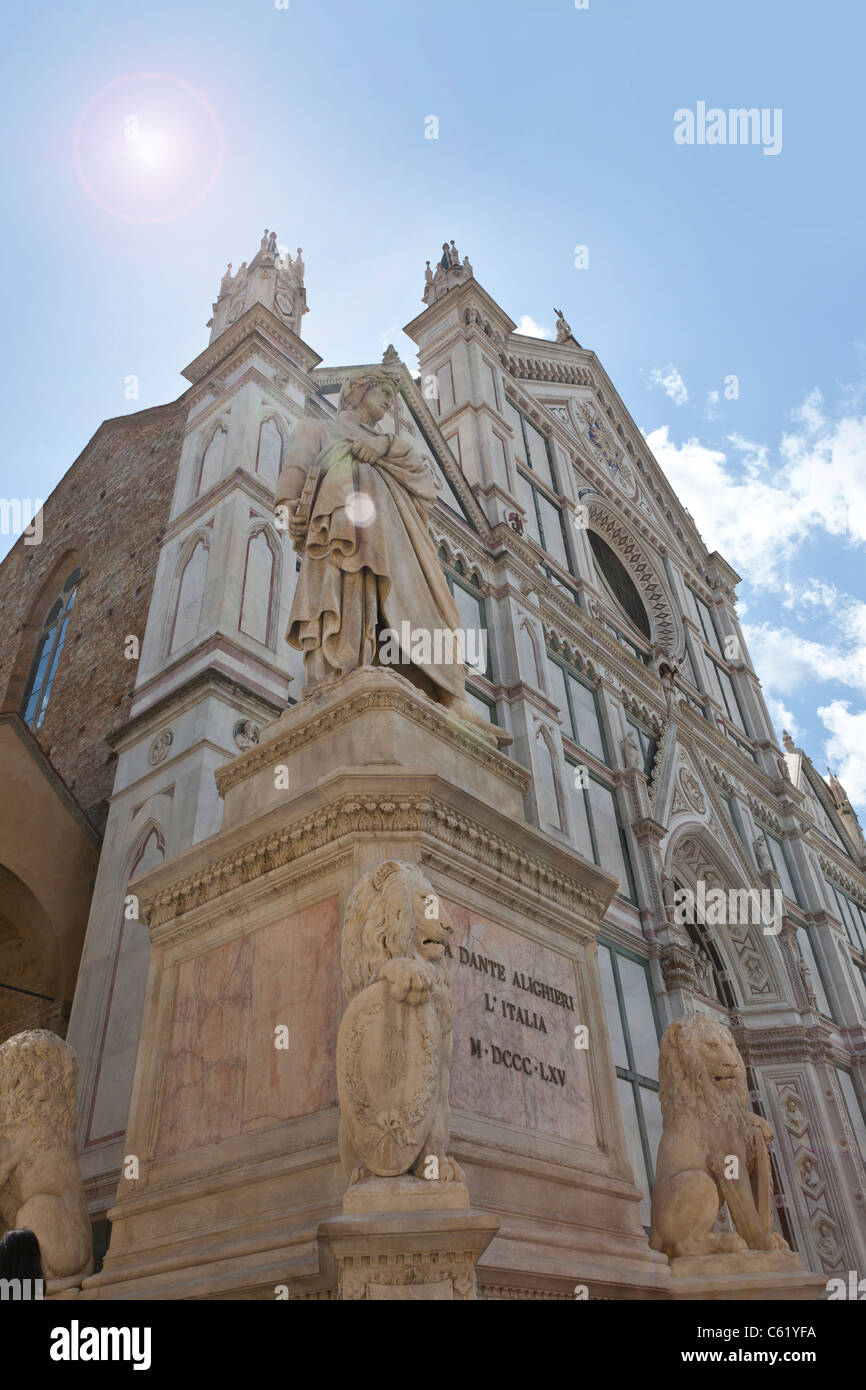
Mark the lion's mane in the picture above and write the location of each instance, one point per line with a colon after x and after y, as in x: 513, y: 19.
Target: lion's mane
x: 38, y: 1079
x: 379, y: 924
x: 687, y: 1091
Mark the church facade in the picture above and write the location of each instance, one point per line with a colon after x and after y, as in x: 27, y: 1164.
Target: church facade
x: 632, y: 846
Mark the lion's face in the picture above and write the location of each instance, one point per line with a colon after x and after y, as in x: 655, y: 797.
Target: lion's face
x: 720, y: 1060
x: 392, y: 914
x: 700, y: 1070
x: 432, y: 924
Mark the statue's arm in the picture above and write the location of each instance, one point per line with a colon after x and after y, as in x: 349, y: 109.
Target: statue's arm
x: 302, y: 450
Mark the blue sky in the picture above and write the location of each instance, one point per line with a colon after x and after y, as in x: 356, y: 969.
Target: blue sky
x: 555, y: 130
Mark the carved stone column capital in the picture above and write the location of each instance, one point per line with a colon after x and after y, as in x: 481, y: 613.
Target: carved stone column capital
x: 678, y: 966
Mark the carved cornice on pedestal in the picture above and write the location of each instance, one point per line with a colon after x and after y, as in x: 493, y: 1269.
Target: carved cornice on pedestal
x: 406, y: 702
x: 424, y: 815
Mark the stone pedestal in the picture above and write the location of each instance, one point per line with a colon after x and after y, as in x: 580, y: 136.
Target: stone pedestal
x: 240, y: 1188
x: 404, y: 1238
x: 752, y: 1275
x: 376, y: 1195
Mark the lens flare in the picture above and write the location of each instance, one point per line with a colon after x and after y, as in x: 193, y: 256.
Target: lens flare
x: 360, y: 509
x: 148, y: 148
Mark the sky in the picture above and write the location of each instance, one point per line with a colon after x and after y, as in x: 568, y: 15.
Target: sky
x: 721, y: 284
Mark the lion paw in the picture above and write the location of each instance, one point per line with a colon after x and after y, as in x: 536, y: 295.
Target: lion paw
x: 730, y: 1243
x: 769, y: 1240
x: 410, y: 983
x: 446, y: 1169
x: 450, y: 1170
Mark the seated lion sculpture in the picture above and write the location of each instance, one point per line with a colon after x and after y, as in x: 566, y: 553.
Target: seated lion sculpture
x: 713, y: 1148
x: 40, y: 1181
x: 394, y: 1043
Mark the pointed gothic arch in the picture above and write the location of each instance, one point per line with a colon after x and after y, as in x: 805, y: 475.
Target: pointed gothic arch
x: 525, y: 626
x: 750, y: 957
x: 128, y: 977
x: 260, y: 589
x: 212, y: 456
x: 548, y: 796
x: 270, y: 448
x: 60, y: 584
x: 187, y: 592
x: 666, y: 628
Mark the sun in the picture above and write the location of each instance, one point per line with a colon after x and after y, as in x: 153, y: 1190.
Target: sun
x: 148, y: 148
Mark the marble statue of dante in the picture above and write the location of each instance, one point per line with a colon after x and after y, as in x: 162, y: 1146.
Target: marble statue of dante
x: 358, y: 502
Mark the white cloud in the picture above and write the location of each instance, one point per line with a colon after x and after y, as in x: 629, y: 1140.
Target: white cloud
x: 761, y: 508
x: 755, y: 458
x: 712, y: 402
x: 786, y: 661
x: 813, y: 594
x: 845, y: 750
x: 531, y: 329
x: 758, y: 516
x: 671, y: 383
x: 782, y: 718
x: 809, y: 413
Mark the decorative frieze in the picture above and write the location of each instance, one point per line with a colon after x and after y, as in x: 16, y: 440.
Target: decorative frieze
x: 767, y: 1046
x: 422, y: 815
x: 547, y: 369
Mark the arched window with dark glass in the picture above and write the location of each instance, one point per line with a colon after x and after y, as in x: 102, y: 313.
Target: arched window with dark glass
x: 48, y: 650
x: 619, y: 585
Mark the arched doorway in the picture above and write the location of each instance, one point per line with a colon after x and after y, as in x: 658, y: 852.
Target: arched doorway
x: 29, y: 963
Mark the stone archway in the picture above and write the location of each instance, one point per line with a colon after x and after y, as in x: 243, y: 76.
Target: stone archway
x: 667, y: 628
x: 30, y: 968
x: 745, y: 965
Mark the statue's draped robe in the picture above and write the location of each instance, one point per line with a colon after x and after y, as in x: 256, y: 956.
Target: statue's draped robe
x: 360, y: 575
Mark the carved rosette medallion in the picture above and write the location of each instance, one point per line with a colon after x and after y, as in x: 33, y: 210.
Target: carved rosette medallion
x: 160, y: 746
x: 246, y: 734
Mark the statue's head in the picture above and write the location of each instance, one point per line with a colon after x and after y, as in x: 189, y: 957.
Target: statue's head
x: 392, y: 913
x: 701, y: 1070
x: 371, y: 394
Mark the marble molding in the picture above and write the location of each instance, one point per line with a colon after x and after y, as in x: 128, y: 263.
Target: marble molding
x: 428, y: 1255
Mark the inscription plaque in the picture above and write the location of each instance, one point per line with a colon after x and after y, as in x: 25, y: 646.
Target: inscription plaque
x: 516, y: 1009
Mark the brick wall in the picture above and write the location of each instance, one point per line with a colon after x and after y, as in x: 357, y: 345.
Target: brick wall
x: 105, y: 515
